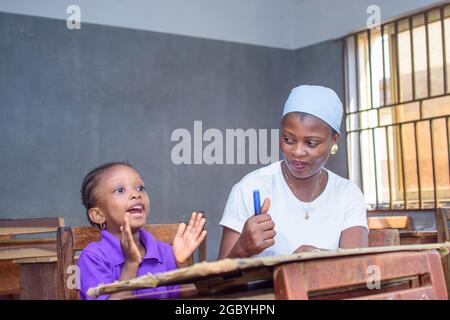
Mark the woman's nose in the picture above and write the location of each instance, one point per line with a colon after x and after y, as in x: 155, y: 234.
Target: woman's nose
x: 300, y: 150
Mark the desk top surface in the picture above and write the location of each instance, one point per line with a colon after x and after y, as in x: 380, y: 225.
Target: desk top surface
x: 205, y: 270
x: 20, y: 252
x: 11, y: 231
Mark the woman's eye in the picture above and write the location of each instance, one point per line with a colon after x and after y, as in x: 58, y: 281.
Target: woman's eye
x: 312, y: 144
x: 141, y: 188
x: 288, y: 141
x: 119, y: 190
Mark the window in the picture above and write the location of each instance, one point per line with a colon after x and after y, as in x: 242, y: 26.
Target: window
x: 397, y: 111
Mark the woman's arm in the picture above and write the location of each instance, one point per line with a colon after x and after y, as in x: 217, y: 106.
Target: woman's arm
x: 354, y: 237
x: 228, y: 245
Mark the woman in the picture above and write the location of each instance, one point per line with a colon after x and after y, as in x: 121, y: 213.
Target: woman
x: 306, y: 207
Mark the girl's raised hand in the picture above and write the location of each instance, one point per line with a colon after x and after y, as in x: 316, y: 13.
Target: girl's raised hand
x: 129, y: 247
x: 189, y: 237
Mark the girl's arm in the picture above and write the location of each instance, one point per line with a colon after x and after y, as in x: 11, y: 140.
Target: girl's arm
x: 132, y: 257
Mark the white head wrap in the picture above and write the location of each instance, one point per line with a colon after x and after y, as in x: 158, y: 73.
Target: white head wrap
x: 319, y: 101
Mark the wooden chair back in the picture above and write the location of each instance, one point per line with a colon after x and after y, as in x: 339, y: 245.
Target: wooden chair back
x: 443, y: 235
x: 442, y: 220
x: 382, y: 238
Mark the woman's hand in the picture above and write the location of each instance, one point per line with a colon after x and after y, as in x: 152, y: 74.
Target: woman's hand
x: 257, y: 234
x: 189, y: 237
x: 129, y: 247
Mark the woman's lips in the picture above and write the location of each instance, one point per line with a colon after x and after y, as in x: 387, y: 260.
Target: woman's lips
x: 298, y: 165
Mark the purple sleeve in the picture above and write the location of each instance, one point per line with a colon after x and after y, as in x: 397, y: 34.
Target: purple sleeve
x: 93, y: 271
x: 171, y: 265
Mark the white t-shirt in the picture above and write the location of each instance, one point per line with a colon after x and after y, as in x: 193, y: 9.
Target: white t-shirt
x: 340, y: 206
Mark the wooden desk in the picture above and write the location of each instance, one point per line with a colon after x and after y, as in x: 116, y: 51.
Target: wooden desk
x: 32, y: 251
x: 14, y: 249
x: 37, y: 278
x: 9, y: 279
x: 28, y: 270
x: 11, y: 231
x: 403, y: 275
x: 405, y: 272
x: 251, y: 291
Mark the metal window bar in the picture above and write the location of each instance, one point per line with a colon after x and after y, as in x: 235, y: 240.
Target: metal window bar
x: 346, y: 98
x: 399, y: 123
x: 433, y: 164
x: 444, y: 49
x: 419, y: 184
x: 448, y: 140
x: 397, y: 101
x: 427, y: 42
x: 384, y: 64
x: 358, y: 106
x: 397, y: 65
x: 375, y: 166
x: 402, y: 103
x: 388, y: 167
x: 405, y: 200
x: 369, y: 44
x: 413, y: 69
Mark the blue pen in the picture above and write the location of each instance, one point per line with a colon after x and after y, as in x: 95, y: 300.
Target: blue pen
x: 256, y: 202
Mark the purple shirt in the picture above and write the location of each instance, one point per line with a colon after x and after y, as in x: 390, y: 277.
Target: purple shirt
x: 101, y: 262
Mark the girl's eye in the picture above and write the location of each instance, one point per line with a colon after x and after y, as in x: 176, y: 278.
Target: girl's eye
x: 119, y: 190
x: 312, y: 144
x: 141, y: 188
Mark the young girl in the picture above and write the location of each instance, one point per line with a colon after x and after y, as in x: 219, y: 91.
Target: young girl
x: 115, y: 199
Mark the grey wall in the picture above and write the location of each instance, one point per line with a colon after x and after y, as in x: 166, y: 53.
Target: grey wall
x: 71, y: 100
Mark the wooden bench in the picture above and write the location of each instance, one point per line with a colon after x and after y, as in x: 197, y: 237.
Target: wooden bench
x: 403, y: 221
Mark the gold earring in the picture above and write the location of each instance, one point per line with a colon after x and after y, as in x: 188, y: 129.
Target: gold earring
x: 334, y: 148
x: 102, y: 225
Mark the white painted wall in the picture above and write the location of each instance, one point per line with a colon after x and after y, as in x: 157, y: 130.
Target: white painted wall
x: 260, y: 22
x: 289, y: 24
x: 315, y: 21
